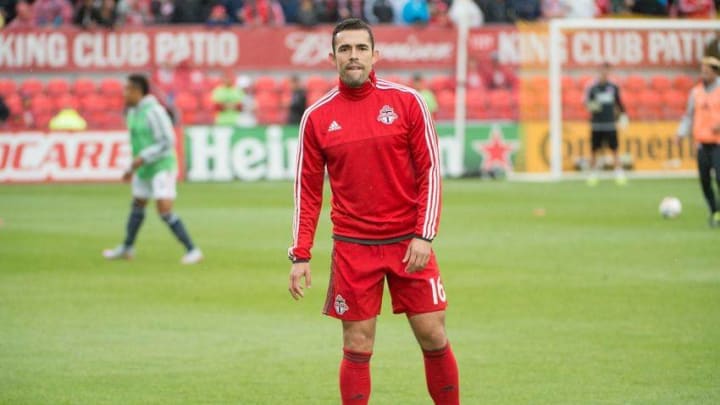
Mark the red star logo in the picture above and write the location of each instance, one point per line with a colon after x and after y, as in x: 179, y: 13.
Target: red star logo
x: 496, y: 151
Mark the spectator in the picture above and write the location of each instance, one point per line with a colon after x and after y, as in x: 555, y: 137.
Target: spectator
x: 439, y: 13
x: 495, y: 11
x: 262, y: 12
x: 23, y: 16
x: 307, y: 14
x: 218, y: 16
x: 528, y: 10
x: 695, y: 8
x: 416, y: 12
x: 474, y: 80
x: 327, y: 10
x: 555, y: 8
x: 162, y: 10
x: 233, y: 9
x: 496, y: 75
x: 108, y: 15
x: 383, y: 12
x: 466, y: 7
x: 351, y: 9
x: 290, y: 9
x: 86, y: 14
x: 649, y: 7
x: 133, y: 12
x: 712, y: 49
x: 52, y: 12
x: 298, y: 101
x: 68, y: 119
x: 581, y: 9
x: 7, y: 11
x: 190, y: 11
x: 229, y: 101
x: 4, y: 111
x: 427, y: 94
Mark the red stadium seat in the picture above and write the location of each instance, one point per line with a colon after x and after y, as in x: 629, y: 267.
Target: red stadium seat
x: 502, y: 104
x: 264, y: 84
x: 42, y: 104
x: 674, y: 104
x: 111, y: 87
x: 93, y: 103
x: 477, y: 103
x: 211, y: 82
x: 397, y: 79
x: 660, y: 83
x: 15, y: 104
x: 65, y: 101
x: 568, y: 83
x: 317, y: 84
x: 41, y: 121
x: 83, y: 87
x: 634, y: 83
x: 31, y: 87
x: 649, y: 105
x: 57, y: 87
x: 585, y: 81
x: 313, y: 96
x: 683, y: 83
x: 440, y: 83
x: 8, y: 87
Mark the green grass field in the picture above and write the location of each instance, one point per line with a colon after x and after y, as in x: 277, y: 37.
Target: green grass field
x: 600, y: 301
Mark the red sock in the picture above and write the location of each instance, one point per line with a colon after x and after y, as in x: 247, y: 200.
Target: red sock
x: 441, y: 374
x: 355, y: 378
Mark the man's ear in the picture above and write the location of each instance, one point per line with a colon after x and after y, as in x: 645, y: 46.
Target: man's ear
x: 331, y: 58
x: 376, y: 56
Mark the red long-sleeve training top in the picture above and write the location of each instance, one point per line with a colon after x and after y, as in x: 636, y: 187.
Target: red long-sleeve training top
x: 379, y: 146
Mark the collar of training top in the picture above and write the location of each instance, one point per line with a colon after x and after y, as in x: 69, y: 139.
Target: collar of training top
x: 357, y: 93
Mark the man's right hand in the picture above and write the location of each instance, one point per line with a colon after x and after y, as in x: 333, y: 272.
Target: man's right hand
x: 297, y: 272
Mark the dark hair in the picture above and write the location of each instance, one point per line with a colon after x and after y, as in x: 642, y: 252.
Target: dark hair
x: 351, y: 24
x: 141, y: 82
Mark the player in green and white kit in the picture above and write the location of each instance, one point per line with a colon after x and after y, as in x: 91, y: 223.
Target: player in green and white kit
x: 154, y: 168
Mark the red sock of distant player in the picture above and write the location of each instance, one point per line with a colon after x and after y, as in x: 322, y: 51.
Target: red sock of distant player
x: 441, y: 374
x: 355, y: 378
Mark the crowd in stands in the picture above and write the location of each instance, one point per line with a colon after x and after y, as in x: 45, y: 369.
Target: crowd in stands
x: 116, y: 13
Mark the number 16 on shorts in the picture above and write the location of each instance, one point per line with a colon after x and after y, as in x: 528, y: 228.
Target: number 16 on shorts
x: 438, y: 291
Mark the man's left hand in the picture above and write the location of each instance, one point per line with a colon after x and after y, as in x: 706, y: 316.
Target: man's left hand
x: 417, y: 255
x: 137, y: 162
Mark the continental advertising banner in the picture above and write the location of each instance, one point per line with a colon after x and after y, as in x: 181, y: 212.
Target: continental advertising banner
x: 268, y: 153
x: 647, y: 146
x: 98, y: 156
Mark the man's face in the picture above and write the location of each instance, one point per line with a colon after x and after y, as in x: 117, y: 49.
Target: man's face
x: 132, y: 94
x: 707, y: 74
x: 604, y: 73
x: 353, y: 57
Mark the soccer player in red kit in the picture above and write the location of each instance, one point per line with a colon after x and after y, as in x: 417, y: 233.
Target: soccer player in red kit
x: 378, y: 143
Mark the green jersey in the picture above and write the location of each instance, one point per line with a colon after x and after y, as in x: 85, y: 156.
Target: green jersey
x: 152, y: 137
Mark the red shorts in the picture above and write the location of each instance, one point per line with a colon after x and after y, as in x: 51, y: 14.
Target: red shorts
x: 358, y: 275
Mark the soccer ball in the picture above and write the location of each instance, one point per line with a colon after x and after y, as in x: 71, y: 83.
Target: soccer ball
x: 670, y: 207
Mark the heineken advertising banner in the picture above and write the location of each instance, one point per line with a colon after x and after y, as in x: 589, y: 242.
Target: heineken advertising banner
x: 268, y: 153
x: 650, y: 146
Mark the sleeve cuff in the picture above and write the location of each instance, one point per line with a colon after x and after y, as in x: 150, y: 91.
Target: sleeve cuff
x: 423, y: 238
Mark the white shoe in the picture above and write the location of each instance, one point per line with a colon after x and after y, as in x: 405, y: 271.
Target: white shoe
x: 120, y: 252
x: 192, y: 257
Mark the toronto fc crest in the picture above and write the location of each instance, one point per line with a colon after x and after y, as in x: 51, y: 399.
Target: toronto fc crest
x: 340, y: 305
x: 387, y: 115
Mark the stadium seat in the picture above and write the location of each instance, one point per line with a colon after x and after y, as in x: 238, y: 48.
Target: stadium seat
x: 83, y: 87
x: 585, y: 81
x: 65, y: 101
x: 476, y: 101
x: 14, y: 103
x: 649, y: 105
x: 634, y: 83
x: 211, y: 82
x: 397, y: 79
x: 264, y: 84
x: 42, y: 104
x: 313, y: 96
x: 92, y: 103
x: 674, y: 104
x: 57, y: 87
x: 8, y: 87
x: 111, y: 86
x: 568, y: 83
x: 315, y: 84
x: 31, y: 87
x: 115, y: 102
x: 683, y: 83
x: 42, y: 121
x: 660, y: 83
x: 502, y: 104
x: 440, y: 83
